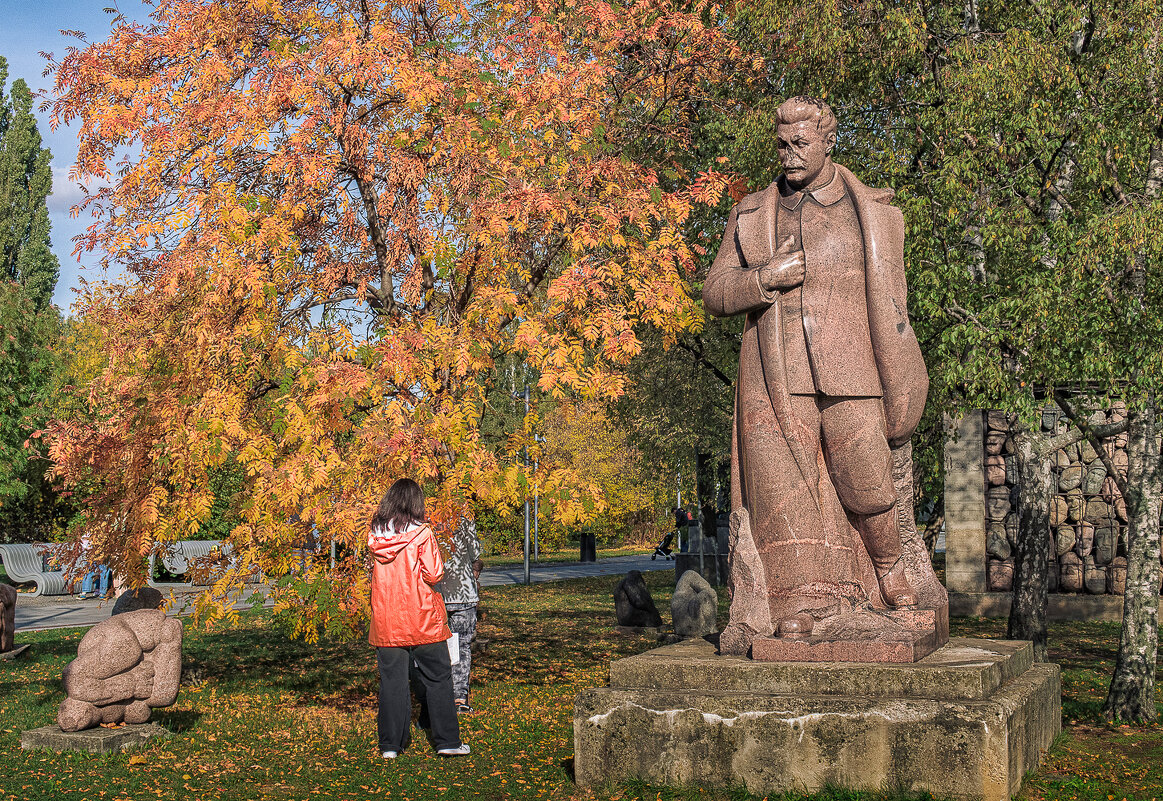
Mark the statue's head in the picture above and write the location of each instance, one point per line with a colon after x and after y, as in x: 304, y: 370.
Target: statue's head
x: 806, y: 131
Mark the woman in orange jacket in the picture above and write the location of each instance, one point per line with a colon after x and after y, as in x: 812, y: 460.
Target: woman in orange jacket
x: 409, y: 622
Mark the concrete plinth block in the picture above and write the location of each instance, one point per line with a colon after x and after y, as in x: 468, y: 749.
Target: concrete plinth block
x: 1059, y: 605
x: 15, y: 652
x: 966, y: 722
x: 93, y: 741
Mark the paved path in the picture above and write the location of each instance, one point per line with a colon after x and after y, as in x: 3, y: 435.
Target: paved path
x: 559, y: 571
x: 66, y: 611
x: 55, y: 612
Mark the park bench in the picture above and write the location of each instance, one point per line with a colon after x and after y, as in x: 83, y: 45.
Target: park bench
x: 29, y: 562
x: 180, y: 557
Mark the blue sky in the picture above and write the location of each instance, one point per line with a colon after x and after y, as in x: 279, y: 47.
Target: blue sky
x: 26, y: 29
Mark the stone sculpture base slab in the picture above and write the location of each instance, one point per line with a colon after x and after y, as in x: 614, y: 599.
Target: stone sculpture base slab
x: 965, y: 722
x: 862, y: 636
x: 93, y: 741
x: 15, y: 652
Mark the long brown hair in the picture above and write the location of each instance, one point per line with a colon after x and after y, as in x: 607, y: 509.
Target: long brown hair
x: 403, y: 504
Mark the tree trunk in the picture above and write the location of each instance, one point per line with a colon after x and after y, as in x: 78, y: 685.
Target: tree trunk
x: 705, y: 490
x: 932, y: 532
x: 1131, y: 696
x: 1032, y: 551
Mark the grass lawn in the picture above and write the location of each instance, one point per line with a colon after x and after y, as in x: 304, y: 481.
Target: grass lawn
x: 284, y: 720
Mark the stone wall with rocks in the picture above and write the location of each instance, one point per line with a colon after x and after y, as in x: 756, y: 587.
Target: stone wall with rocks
x: 1088, y: 516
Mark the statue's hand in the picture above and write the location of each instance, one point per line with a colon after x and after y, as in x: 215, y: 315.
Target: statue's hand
x: 786, y: 268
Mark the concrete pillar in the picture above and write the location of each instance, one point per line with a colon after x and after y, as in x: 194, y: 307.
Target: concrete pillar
x: 965, y: 503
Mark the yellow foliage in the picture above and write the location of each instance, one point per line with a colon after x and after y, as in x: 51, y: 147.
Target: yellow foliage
x: 584, y: 447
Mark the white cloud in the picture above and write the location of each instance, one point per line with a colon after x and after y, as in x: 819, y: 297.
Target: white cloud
x: 66, y: 193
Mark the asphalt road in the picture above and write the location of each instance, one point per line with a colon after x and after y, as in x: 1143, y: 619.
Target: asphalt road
x: 65, y: 611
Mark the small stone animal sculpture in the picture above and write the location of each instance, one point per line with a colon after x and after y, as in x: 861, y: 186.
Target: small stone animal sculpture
x: 633, y: 604
x: 694, y: 606
x: 125, y: 666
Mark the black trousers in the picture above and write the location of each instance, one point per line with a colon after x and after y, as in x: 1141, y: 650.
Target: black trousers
x: 394, y: 721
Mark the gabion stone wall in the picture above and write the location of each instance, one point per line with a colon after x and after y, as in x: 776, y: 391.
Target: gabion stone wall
x: 1088, y: 517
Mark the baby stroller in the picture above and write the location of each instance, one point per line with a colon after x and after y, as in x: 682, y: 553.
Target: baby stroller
x: 663, y: 548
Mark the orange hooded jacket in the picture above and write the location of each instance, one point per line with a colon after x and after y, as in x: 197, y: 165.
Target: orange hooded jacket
x: 405, y: 609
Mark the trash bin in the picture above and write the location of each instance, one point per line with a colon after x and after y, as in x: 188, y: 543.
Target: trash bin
x: 589, y: 547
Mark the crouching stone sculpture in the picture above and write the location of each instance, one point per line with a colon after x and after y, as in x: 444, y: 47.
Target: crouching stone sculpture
x: 125, y: 666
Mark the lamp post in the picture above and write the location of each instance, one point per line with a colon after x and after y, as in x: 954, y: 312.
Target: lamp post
x: 536, y: 503
x: 699, y: 516
x: 519, y: 396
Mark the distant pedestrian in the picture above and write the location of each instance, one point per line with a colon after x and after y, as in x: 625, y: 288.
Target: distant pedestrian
x: 461, y: 597
x: 682, y: 522
x: 98, y: 573
x: 409, y: 622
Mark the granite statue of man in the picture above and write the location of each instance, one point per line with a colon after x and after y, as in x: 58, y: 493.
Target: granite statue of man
x: 831, y: 380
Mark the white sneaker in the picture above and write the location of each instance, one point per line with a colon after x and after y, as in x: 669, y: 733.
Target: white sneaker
x: 460, y: 750
x: 389, y: 755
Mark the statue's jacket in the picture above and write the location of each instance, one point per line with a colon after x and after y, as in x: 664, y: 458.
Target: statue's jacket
x: 732, y: 287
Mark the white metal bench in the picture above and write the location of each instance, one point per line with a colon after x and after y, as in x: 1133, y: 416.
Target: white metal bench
x: 178, y: 558
x: 28, y: 562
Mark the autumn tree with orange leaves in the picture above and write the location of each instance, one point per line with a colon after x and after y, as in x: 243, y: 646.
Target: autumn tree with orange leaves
x: 335, y: 217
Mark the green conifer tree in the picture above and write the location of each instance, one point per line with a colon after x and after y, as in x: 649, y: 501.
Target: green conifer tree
x: 26, y: 256
x: 29, y: 324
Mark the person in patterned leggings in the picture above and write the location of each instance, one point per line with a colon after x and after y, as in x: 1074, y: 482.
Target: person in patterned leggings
x: 459, y: 589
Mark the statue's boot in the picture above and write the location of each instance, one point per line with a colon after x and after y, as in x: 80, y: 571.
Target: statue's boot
x: 882, y: 539
x: 895, y: 587
x: 808, y: 612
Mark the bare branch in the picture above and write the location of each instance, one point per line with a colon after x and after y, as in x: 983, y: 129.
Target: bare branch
x: 1109, y: 160
x: 696, y: 350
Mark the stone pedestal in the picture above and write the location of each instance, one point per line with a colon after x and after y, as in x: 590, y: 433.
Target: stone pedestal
x: 93, y: 741
x: 964, y: 504
x: 965, y: 722
x: 863, y: 635
x: 15, y: 652
x: 714, y: 566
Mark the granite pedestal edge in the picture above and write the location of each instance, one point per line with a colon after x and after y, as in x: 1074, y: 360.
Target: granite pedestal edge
x: 99, y: 740
x: 966, y: 722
